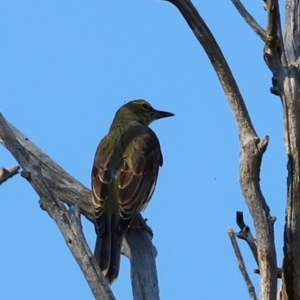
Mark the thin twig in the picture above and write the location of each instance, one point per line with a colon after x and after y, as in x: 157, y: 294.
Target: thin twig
x: 249, y: 19
x: 245, y: 234
x: 5, y: 174
x: 242, y: 265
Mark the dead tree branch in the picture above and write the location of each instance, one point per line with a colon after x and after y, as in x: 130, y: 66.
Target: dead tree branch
x: 246, y: 234
x: 287, y: 79
x: 249, y: 19
x: 69, y: 224
x: 138, y: 261
x: 252, y: 149
x: 281, y: 57
x: 5, y: 174
x: 66, y: 222
x: 54, y: 185
x: 242, y: 265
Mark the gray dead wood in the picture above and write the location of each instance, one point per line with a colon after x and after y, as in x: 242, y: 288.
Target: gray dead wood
x: 281, y: 54
x: 241, y: 263
x: 249, y: 19
x: 252, y: 149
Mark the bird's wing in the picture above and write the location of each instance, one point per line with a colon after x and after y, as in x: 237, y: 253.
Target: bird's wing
x: 101, y: 178
x: 138, y: 174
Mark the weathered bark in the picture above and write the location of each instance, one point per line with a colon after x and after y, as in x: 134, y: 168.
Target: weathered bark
x: 288, y: 82
x: 281, y: 54
x: 252, y: 149
x: 137, y: 243
x: 242, y: 265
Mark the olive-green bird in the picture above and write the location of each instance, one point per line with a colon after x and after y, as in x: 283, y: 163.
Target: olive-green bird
x: 124, y: 176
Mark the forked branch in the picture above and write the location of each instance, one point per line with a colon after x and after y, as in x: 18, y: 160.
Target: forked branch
x: 252, y: 149
x: 287, y: 77
x: 246, y: 234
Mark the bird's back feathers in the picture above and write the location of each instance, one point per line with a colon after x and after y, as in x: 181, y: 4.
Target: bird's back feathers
x: 124, y: 176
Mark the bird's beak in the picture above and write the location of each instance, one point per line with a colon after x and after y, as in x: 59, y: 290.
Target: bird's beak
x: 159, y: 114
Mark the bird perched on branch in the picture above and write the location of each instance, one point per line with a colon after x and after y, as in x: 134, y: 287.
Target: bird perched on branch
x: 124, y: 176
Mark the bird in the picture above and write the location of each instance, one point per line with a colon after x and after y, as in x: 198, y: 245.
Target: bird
x: 123, y: 179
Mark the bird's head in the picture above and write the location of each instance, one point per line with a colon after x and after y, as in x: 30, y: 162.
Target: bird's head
x: 141, y: 111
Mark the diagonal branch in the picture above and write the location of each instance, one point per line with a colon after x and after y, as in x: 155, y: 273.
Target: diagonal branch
x: 68, y: 226
x: 242, y: 265
x: 54, y: 185
x: 245, y: 234
x: 5, y: 174
x: 249, y: 19
x: 71, y: 229
x: 252, y: 150
x: 212, y: 49
x: 65, y: 187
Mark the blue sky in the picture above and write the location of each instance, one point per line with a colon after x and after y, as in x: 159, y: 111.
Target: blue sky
x: 66, y: 67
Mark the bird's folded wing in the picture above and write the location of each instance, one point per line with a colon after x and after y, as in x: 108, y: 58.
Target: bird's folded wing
x: 137, y: 175
x: 101, y: 178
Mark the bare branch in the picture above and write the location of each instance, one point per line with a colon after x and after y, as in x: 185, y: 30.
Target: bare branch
x: 289, y: 84
x: 272, y: 50
x: 242, y: 265
x: 66, y: 223
x: 5, y: 174
x: 245, y: 234
x: 252, y: 149
x: 70, y: 226
x: 249, y: 19
x: 211, y: 47
x: 250, y: 183
x: 282, y: 60
x: 292, y: 30
x: 63, y: 187
x: 139, y: 262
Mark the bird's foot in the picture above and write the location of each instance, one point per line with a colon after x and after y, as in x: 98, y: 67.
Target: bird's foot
x: 141, y: 223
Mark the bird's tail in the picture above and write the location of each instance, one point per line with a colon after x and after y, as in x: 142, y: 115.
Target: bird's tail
x: 108, y: 250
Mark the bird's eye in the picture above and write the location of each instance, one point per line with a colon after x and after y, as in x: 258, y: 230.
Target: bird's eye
x: 145, y: 106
